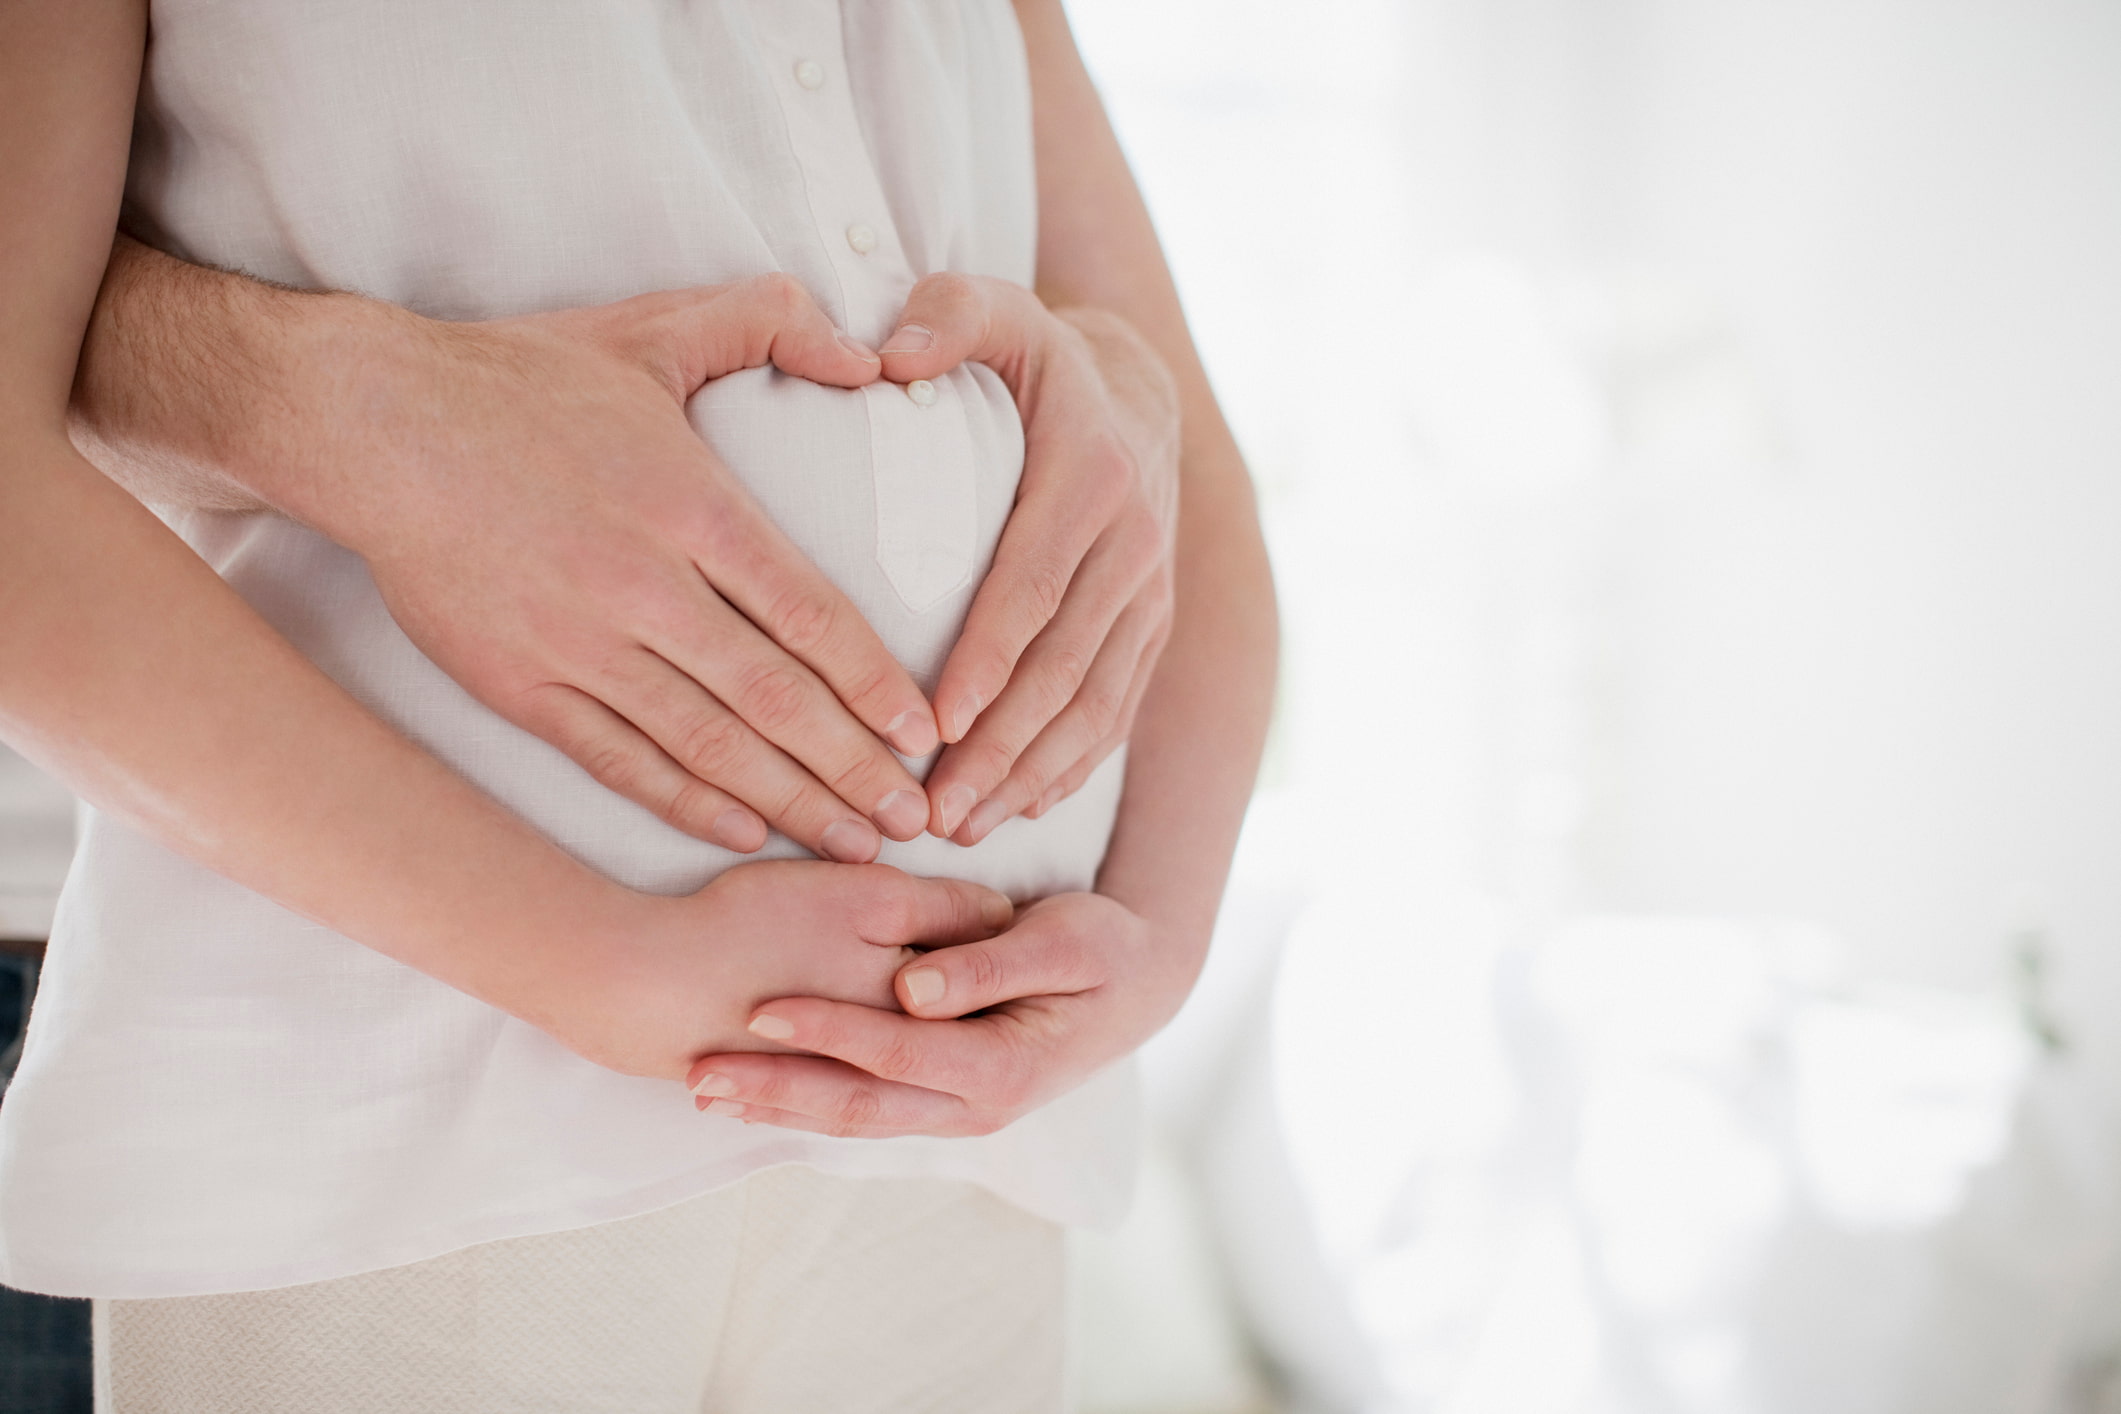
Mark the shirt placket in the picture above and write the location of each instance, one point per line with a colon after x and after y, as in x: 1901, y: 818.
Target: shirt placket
x: 920, y: 446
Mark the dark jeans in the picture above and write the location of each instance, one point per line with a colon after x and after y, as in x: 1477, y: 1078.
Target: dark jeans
x: 44, y: 1363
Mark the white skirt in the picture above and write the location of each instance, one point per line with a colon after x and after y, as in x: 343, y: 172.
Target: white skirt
x: 793, y: 1291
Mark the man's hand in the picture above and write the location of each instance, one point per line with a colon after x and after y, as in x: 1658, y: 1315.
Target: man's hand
x: 994, y: 1029
x: 679, y: 977
x: 545, y: 524
x: 1065, y: 631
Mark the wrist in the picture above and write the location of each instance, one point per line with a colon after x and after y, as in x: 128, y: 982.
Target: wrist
x: 344, y: 381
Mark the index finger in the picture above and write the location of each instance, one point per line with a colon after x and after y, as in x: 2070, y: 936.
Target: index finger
x: 1069, y: 488
x: 754, y: 566
x: 979, y: 1058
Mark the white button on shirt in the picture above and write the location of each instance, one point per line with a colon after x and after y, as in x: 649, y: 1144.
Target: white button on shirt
x: 218, y: 1095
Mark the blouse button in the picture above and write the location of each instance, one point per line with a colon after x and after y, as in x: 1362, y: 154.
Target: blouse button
x: 862, y: 238
x: 810, y: 73
x: 922, y: 392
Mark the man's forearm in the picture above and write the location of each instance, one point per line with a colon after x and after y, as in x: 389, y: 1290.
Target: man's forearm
x: 202, y: 388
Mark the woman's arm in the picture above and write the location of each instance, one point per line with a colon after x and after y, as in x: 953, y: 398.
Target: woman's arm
x: 134, y: 674
x: 1197, y: 741
x: 1081, y: 979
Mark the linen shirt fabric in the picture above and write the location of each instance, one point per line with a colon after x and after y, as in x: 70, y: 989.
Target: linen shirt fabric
x: 218, y: 1095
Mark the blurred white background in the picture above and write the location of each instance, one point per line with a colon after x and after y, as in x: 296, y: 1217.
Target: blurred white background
x: 1673, y: 964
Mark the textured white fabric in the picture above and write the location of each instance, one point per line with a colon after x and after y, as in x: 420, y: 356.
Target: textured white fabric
x: 788, y: 1293
x: 220, y: 1096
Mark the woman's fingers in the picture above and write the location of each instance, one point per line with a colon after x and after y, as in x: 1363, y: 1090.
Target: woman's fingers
x: 907, y: 910
x: 623, y: 760
x: 1028, y: 961
x: 981, y: 1058
x: 822, y: 1096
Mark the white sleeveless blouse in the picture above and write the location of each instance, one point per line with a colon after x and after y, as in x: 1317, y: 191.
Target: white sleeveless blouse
x: 220, y: 1096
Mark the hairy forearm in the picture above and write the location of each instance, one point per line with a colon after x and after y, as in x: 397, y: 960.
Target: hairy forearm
x: 206, y: 389
x: 1197, y: 741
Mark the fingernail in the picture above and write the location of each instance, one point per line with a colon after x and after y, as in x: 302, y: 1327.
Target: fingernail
x: 1050, y: 799
x: 773, y: 1028
x: 859, y: 349
x: 967, y: 713
x: 725, y: 1107
x: 996, y: 911
x: 739, y: 830
x: 925, y: 986
x: 910, y: 338
x: 712, y: 1084
x: 850, y: 842
x: 990, y: 814
x: 955, y: 802
x: 903, y: 814
x: 912, y: 733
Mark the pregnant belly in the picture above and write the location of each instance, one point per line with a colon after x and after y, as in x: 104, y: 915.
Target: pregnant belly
x: 899, y: 504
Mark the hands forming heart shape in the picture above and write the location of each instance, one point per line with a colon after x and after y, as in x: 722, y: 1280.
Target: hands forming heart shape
x: 680, y: 648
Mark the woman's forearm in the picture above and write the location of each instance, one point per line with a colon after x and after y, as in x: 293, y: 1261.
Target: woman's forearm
x: 133, y: 673
x: 1196, y: 743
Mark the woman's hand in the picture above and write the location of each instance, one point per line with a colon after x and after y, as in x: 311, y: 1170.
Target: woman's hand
x: 543, y: 522
x: 682, y: 977
x: 1065, y: 631
x: 994, y: 1029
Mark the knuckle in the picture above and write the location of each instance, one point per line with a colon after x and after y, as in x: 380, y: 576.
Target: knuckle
x: 783, y: 294
x: 1101, y: 703
x: 856, y: 1111
x: 1066, y: 665
x: 710, y: 742
x: 895, y: 1059
x: 1111, y: 471
x: 615, y: 763
x: 984, y: 970
x: 773, y: 697
x: 688, y: 803
x: 803, y: 621
x: 1044, y: 590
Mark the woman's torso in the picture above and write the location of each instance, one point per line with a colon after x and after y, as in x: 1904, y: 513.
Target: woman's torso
x: 219, y: 1095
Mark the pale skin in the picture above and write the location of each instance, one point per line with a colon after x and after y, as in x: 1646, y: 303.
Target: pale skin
x: 188, y: 721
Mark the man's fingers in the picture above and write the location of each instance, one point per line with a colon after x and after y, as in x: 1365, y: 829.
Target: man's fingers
x: 623, y: 760
x: 1077, y: 669
x: 1071, y: 780
x: 822, y: 1096
x: 910, y: 909
x: 693, y: 335
x: 787, y: 704
x: 951, y: 319
x: 710, y: 743
x: 755, y: 567
x: 1096, y: 713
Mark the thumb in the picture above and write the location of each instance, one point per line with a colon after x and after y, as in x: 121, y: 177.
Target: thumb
x: 936, y: 912
x: 749, y: 324
x: 951, y: 319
